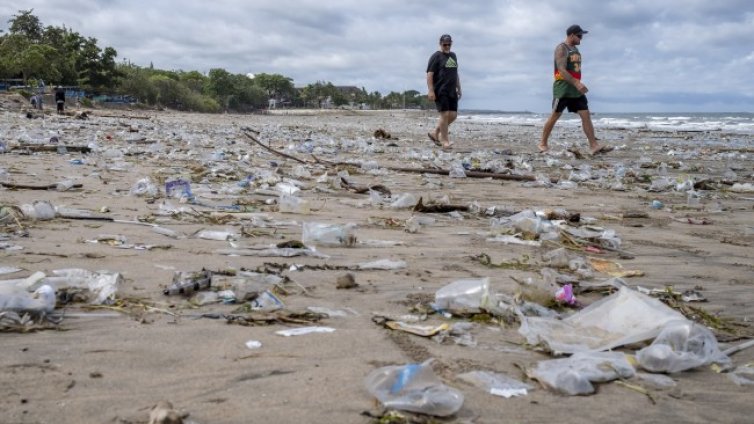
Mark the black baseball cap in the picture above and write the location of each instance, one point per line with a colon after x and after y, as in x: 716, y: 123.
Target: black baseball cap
x: 575, y: 29
x: 445, y: 38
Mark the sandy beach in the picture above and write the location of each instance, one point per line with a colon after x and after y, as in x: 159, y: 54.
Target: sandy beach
x: 112, y: 363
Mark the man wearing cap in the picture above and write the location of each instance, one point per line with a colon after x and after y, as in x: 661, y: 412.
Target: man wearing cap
x: 444, y: 88
x: 569, y: 92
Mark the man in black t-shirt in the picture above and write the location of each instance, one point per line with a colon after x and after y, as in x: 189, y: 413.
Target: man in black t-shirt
x: 444, y: 87
x: 60, y: 99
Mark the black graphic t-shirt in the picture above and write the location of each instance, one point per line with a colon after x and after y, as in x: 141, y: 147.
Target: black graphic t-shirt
x: 445, y: 69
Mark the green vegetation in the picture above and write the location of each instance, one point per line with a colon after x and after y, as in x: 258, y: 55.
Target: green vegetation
x: 61, y: 56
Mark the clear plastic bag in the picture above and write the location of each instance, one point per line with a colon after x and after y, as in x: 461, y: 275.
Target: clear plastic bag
x: 40, y: 302
x: 622, y: 318
x: 680, y: 346
x: 414, y: 388
x: 575, y: 375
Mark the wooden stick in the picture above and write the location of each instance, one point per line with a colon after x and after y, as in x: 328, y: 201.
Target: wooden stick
x: 53, y: 148
x: 254, y: 139
x: 14, y: 186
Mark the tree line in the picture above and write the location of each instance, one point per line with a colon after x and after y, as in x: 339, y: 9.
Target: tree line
x: 30, y: 51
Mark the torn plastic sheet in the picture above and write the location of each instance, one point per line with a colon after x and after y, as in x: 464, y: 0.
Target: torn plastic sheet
x: 622, y: 318
x: 575, y: 375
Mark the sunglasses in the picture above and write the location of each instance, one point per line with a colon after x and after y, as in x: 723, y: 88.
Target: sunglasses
x: 446, y: 45
x: 580, y: 36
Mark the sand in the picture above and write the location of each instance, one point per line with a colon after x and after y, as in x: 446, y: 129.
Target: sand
x: 105, y: 366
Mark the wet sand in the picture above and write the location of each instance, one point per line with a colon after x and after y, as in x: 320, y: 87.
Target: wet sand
x: 112, y: 367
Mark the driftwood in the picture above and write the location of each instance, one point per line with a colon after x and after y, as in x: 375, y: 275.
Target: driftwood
x: 53, y: 148
x: 14, y: 186
x: 254, y: 139
x: 121, y: 116
x: 364, y: 189
x: 437, y: 171
x: 420, y: 207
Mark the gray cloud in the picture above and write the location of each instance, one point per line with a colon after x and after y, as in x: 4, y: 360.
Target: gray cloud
x: 641, y: 55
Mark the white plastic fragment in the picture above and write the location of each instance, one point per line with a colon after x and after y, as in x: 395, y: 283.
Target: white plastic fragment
x: 253, y: 344
x: 304, y: 330
x: 496, y: 384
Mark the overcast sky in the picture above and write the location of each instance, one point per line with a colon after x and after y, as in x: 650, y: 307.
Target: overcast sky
x: 639, y: 55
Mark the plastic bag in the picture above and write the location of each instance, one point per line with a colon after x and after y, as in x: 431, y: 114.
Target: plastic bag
x: 414, y: 388
x: 101, y: 286
x: 468, y: 296
x: 681, y: 345
x: 40, y: 302
x: 622, y: 318
x: 40, y: 210
x: 575, y: 375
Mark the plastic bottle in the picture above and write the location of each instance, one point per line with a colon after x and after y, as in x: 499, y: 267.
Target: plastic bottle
x: 293, y: 204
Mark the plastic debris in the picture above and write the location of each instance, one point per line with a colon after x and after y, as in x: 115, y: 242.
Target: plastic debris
x: 575, y: 375
x: 304, y: 330
x: 496, y: 384
x: 414, y: 388
x: 41, y: 301
x: 468, y: 296
x: 680, y: 346
x: 622, y: 318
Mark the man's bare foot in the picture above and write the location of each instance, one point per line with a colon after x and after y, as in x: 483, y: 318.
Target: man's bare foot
x: 543, y: 148
x: 602, y: 149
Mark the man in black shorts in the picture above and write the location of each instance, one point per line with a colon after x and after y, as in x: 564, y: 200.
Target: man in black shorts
x: 444, y: 88
x: 569, y: 92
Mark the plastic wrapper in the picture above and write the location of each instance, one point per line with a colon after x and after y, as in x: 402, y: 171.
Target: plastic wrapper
x: 496, y: 384
x: 468, y: 296
x: 622, y: 318
x: 414, y: 388
x: 575, y: 375
x: 680, y: 346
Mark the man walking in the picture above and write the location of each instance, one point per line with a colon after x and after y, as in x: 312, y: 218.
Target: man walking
x: 569, y: 92
x: 60, y: 99
x: 444, y: 88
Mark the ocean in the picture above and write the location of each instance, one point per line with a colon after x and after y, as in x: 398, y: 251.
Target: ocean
x: 737, y: 123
